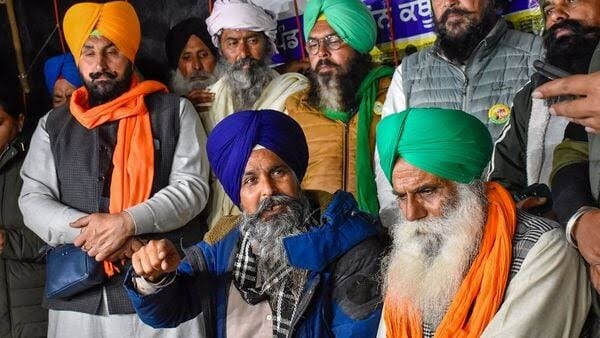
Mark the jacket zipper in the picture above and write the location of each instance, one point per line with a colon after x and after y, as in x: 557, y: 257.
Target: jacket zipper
x: 345, y: 158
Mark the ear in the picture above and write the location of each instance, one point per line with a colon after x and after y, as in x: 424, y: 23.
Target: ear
x: 20, y: 122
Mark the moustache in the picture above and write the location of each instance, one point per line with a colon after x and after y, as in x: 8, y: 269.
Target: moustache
x: 453, y: 10
x: 247, y: 61
x: 97, y: 75
x: 199, y: 75
x: 271, y: 202
x: 326, y: 62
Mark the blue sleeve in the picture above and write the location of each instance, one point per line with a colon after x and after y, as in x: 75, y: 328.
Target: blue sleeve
x: 356, y: 302
x: 175, y: 303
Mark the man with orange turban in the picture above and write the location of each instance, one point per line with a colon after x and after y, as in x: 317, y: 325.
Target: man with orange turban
x: 121, y: 161
x: 464, y: 261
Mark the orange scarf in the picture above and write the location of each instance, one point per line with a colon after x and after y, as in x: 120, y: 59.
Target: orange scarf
x: 133, y: 157
x: 481, y: 292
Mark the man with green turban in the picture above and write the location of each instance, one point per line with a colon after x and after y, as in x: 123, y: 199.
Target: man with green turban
x: 464, y: 261
x: 342, y: 106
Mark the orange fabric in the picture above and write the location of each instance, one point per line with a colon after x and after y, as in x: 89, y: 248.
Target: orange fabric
x: 133, y: 157
x: 116, y: 21
x: 481, y: 292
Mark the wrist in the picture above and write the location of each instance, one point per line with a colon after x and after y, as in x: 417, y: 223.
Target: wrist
x: 573, y: 223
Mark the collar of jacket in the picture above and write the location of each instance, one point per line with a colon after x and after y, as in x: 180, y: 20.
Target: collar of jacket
x: 16, y: 147
x: 485, y: 46
x: 342, y: 227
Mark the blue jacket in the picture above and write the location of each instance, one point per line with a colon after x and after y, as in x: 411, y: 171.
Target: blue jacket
x: 341, y: 297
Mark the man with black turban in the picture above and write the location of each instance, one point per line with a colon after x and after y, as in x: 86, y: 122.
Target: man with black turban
x: 193, y: 62
x: 295, y: 263
x: 465, y: 262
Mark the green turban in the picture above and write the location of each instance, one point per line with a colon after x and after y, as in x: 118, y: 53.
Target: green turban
x: 450, y: 144
x: 350, y: 19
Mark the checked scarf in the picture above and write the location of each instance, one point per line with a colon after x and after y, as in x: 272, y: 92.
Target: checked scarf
x: 282, y: 301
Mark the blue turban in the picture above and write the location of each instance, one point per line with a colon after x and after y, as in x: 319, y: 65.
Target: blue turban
x: 62, y: 65
x: 232, y: 140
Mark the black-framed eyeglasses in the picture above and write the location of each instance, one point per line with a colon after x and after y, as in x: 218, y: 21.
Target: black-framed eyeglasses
x: 332, y: 42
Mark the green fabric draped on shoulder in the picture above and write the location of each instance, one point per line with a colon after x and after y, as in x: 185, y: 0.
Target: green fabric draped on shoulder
x: 450, y: 144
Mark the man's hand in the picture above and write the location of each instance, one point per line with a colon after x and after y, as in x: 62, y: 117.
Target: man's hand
x: 155, y: 259
x: 200, y: 98
x: 585, y: 109
x: 2, y: 240
x: 103, y: 234
x: 127, y: 250
x: 587, y: 235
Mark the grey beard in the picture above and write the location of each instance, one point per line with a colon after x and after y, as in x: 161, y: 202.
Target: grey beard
x: 182, y: 86
x: 247, y: 86
x: 266, y: 236
x: 330, y: 92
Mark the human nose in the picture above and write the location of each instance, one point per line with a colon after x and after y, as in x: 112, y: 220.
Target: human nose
x: 244, y: 50
x: 559, y: 13
x: 322, y: 49
x: 450, y: 3
x: 196, y: 64
x: 268, y: 188
x: 414, y: 210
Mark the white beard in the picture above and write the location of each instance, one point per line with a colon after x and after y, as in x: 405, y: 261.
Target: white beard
x: 429, y: 258
x: 182, y: 86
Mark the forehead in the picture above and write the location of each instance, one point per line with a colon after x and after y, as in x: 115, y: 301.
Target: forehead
x: 195, y: 42
x: 97, y: 42
x: 406, y: 177
x: 321, y: 29
x: 62, y: 85
x: 238, y: 33
x: 263, y: 159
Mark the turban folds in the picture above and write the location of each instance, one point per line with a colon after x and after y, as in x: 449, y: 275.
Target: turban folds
x: 116, y: 21
x: 61, y: 66
x: 239, y: 14
x: 180, y: 34
x: 232, y: 140
x: 450, y: 144
x: 350, y: 19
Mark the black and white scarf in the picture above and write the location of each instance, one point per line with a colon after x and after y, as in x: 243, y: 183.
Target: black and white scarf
x: 279, y: 294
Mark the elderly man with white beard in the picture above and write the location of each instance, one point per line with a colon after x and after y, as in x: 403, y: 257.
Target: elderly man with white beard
x: 465, y: 262
x: 294, y: 264
x: 245, y: 36
x: 193, y: 62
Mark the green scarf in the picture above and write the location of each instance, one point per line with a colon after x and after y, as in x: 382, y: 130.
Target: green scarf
x: 366, y: 190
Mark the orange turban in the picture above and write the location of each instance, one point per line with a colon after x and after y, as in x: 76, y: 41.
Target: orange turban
x: 116, y: 21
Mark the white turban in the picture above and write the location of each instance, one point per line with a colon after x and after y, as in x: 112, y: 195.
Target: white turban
x: 240, y: 14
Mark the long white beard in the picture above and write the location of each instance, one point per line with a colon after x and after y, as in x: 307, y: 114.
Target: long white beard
x: 429, y: 258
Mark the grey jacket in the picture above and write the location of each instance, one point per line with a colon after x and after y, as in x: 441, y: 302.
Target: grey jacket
x: 21, y: 276
x: 498, y: 67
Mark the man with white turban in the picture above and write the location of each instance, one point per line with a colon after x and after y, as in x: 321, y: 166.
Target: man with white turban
x: 123, y: 161
x: 245, y: 36
x: 296, y: 263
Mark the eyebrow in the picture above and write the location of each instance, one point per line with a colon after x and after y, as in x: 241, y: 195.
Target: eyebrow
x: 419, y: 189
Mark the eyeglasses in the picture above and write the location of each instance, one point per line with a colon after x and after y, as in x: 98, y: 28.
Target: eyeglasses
x: 332, y: 42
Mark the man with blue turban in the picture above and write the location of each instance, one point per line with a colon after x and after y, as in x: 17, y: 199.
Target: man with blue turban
x: 62, y: 78
x: 342, y: 105
x: 291, y: 257
x: 464, y: 261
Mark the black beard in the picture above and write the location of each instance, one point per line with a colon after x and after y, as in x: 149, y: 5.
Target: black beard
x: 459, y: 48
x: 106, y: 92
x: 345, y: 84
x: 572, y: 52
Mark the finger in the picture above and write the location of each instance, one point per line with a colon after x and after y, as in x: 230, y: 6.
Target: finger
x: 81, y: 222
x: 577, y: 108
x: 591, y: 124
x: 80, y: 240
x: 136, y: 263
x: 572, y: 85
